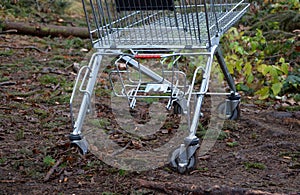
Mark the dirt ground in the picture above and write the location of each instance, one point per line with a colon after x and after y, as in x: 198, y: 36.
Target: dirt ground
x: 260, y: 154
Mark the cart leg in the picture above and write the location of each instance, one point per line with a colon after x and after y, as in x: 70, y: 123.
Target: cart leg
x: 224, y: 69
x: 184, y: 158
x: 91, y: 73
x: 231, y: 106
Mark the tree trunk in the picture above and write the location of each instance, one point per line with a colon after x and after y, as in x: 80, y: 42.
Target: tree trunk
x: 45, y: 30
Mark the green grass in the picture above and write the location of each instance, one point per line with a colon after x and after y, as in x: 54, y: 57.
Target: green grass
x: 48, y: 79
x: 6, y: 53
x: 203, y: 169
x: 51, y: 125
x: 108, y: 193
x: 3, y: 161
x: 202, y: 133
x: 4, y: 78
x: 232, y: 144
x: 41, y: 113
x: 101, y: 122
x: 254, y: 165
x: 48, y: 161
x: 19, y: 135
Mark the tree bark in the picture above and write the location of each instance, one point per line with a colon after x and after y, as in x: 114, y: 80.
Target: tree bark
x: 45, y: 30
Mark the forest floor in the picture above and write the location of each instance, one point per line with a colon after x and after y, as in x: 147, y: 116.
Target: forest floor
x: 260, y: 153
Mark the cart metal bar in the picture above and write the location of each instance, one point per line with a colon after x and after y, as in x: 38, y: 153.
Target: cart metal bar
x: 145, y: 70
x: 207, y: 25
x: 91, y: 77
x: 203, y: 91
x: 224, y: 69
x: 212, y: 93
x: 234, y: 19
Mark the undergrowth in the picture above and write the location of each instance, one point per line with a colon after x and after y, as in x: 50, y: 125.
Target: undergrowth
x: 263, y: 65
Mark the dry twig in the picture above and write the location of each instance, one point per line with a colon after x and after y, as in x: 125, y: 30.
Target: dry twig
x: 25, y: 47
x: 51, y: 171
x: 6, y: 83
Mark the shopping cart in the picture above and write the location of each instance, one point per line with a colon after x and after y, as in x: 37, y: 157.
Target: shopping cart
x: 134, y: 32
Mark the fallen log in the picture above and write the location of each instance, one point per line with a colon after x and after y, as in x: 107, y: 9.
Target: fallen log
x: 43, y: 30
x: 181, y: 188
x: 170, y: 187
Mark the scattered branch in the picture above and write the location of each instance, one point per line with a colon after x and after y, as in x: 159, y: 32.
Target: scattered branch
x: 51, y: 171
x: 9, y: 31
x: 25, y: 47
x: 122, y: 149
x: 8, y: 181
x: 7, y: 83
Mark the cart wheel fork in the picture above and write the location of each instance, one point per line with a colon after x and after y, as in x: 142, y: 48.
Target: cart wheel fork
x: 183, y: 159
x: 230, y: 108
x: 80, y: 142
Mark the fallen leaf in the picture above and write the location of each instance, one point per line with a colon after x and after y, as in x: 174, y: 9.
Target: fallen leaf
x: 165, y: 131
x: 287, y: 157
x: 136, y: 144
x: 60, y: 20
x: 122, y: 66
x: 84, y: 50
x: 291, y: 101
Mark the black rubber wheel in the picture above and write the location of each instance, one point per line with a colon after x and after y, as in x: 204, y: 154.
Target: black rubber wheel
x: 174, y: 162
x: 177, y: 108
x: 234, y: 115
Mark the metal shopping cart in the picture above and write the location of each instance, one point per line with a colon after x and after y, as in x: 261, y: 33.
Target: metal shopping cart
x: 134, y: 33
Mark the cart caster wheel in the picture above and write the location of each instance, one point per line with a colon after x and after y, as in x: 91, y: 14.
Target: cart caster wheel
x: 177, y: 108
x: 80, y: 142
x: 175, y: 164
x: 233, y: 115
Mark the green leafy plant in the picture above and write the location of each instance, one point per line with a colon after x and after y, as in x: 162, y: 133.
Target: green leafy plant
x: 49, y: 161
x: 3, y: 160
x: 273, y: 78
x: 263, y: 57
x: 232, y: 144
x: 247, y: 62
x: 122, y: 172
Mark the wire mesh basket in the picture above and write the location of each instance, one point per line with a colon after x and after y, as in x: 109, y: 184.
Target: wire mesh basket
x: 160, y: 23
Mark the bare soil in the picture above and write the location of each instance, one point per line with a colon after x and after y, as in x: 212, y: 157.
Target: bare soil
x: 260, y: 155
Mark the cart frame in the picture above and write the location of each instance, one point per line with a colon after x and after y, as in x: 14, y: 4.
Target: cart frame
x: 136, y: 25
